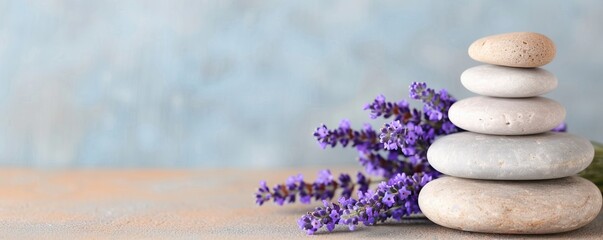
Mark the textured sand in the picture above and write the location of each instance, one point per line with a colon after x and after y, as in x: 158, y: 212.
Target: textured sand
x: 179, y: 204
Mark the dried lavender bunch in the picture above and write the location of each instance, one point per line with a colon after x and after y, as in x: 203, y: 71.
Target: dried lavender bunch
x: 324, y: 187
x: 393, y: 199
x: 404, y: 142
x: 401, y: 145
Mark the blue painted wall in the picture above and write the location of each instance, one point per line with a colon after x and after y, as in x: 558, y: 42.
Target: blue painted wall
x: 244, y: 83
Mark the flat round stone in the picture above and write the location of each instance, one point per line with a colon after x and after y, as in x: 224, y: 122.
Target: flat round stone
x: 511, y: 207
x: 506, y: 116
x: 497, y: 81
x: 517, y: 49
x: 540, y: 156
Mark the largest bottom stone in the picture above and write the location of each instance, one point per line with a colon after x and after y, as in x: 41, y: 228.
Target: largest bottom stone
x: 512, y: 207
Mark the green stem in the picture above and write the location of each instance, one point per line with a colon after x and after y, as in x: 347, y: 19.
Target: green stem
x: 594, y: 172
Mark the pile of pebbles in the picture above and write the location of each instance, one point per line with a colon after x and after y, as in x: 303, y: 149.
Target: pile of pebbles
x: 508, y: 173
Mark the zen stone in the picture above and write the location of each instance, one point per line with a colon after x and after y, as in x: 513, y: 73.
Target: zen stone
x: 511, y: 207
x: 541, y: 156
x: 497, y: 81
x: 518, y: 49
x: 506, y: 116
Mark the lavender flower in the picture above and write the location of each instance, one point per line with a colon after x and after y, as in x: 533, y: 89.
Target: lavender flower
x: 365, y: 138
x: 404, y: 140
x: 379, y: 107
x: 561, y: 128
x: 362, y: 182
x: 412, y: 138
x: 323, y: 188
x: 397, y: 152
x: 436, y: 104
x: 263, y: 194
x: 394, y: 199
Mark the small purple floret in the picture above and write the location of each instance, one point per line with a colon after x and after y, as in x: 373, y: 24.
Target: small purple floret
x: 561, y: 128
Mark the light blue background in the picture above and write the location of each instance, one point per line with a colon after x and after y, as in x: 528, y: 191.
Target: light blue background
x: 244, y: 83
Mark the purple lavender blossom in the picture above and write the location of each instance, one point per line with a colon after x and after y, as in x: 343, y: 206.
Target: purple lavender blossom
x: 391, y: 135
x: 328, y: 216
x: 379, y: 107
x: 346, y: 184
x: 397, y: 153
x: 399, y: 147
x: 263, y: 193
x: 561, y: 128
x: 404, y: 140
x: 363, y: 183
x: 395, y: 199
x: 344, y: 135
x: 323, y: 188
x: 412, y: 138
x: 436, y: 104
x: 376, y: 164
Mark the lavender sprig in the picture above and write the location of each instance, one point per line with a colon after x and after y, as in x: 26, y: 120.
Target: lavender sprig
x: 399, y: 110
x: 366, y: 138
x: 405, y: 140
x: 436, y: 104
x: 393, y: 199
x: 323, y: 188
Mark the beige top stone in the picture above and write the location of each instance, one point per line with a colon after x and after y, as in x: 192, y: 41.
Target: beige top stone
x: 517, y: 49
x: 511, y: 207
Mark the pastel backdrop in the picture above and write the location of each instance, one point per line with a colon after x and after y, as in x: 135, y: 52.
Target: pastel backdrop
x: 244, y: 83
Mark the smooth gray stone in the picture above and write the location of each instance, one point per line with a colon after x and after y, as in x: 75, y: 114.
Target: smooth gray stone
x: 541, y: 156
x: 497, y: 81
x: 507, y: 116
x: 511, y: 207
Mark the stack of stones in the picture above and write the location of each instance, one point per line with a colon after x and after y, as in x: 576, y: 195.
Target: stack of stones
x: 508, y: 173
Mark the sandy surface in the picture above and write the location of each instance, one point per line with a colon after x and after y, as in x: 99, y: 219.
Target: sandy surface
x: 179, y: 204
